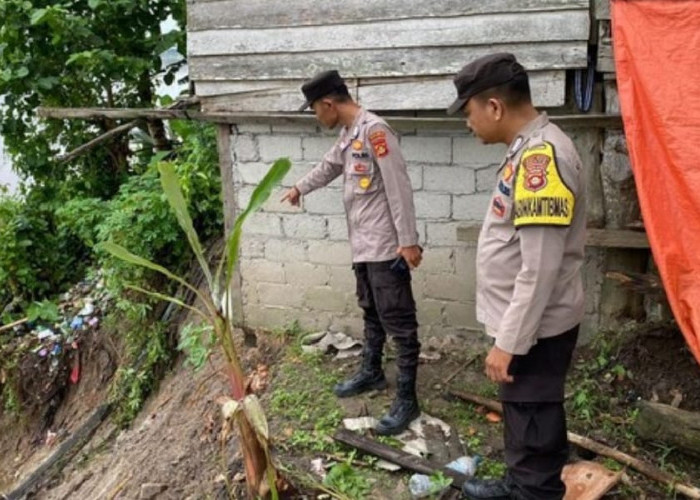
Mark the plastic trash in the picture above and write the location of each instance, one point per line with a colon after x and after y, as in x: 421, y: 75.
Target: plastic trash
x: 77, y: 323
x: 45, y: 334
x: 56, y: 350
x: 94, y: 321
x: 87, y: 310
x: 421, y: 486
x: 465, y: 465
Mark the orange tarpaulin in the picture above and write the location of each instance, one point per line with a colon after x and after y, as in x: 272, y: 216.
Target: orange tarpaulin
x: 657, y: 59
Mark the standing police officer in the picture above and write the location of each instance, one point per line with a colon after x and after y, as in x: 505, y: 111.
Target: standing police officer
x: 529, y: 285
x: 382, y: 228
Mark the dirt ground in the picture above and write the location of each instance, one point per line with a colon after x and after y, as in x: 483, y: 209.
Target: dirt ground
x: 173, y: 449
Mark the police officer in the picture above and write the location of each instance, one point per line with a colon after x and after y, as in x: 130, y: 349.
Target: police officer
x: 529, y: 285
x: 381, y: 223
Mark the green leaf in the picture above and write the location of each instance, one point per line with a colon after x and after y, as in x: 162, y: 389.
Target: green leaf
x: 39, y: 16
x: 171, y: 187
x: 93, y: 4
x: 46, y: 310
x: 168, y: 298
x: 256, y: 416
x: 260, y: 195
x: 22, y: 72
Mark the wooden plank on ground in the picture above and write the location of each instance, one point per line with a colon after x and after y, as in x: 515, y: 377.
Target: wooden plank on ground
x: 374, y: 62
x: 548, y: 88
x: 587, y: 480
x: 454, y: 31
x: 396, y: 456
x: 218, y: 14
x: 609, y: 238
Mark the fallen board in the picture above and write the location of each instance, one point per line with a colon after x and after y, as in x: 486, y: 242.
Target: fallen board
x: 588, y: 480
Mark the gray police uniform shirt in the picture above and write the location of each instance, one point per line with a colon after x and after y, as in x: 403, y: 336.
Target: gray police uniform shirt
x: 377, y: 191
x: 530, y: 249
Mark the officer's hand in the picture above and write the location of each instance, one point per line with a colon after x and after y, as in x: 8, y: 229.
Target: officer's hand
x: 412, y: 255
x: 292, y: 196
x: 497, y: 363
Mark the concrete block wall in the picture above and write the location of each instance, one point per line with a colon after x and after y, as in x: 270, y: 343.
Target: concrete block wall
x: 295, y: 262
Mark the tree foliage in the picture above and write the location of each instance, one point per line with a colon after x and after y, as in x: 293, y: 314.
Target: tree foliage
x: 78, y: 53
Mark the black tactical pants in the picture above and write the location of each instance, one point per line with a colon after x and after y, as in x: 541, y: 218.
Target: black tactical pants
x: 386, y: 298
x: 536, y: 447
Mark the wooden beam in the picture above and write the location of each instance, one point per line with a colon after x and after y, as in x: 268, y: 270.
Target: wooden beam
x: 218, y: 14
x: 608, y: 238
x: 398, y: 457
x: 600, y: 449
x: 377, y: 62
x: 441, y: 122
x: 454, y: 31
x: 547, y: 87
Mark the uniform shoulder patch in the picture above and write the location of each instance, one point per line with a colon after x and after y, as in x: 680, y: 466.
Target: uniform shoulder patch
x: 378, y: 141
x: 541, y: 196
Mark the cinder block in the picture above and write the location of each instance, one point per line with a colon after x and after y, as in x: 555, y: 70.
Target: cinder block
x: 486, y: 179
x: 465, y: 263
x: 458, y: 180
x: 304, y: 227
x: 461, y: 314
x: 314, y: 321
x: 442, y: 233
x: 251, y: 172
x: 431, y: 205
x: 415, y: 173
x: 306, y: 274
x: 469, y: 150
x: 430, y: 312
x: 325, y: 201
x: 342, y: 278
x: 244, y: 148
x: 471, y: 206
x: 285, y: 250
x: 438, y: 260
x: 427, y: 149
x: 252, y: 248
x: 447, y: 287
x: 272, y: 147
x: 315, y: 147
x: 263, y: 223
x: 337, y: 228
x: 329, y: 252
x: 268, y: 317
x: 274, y: 294
x: 326, y: 298
x: 261, y: 270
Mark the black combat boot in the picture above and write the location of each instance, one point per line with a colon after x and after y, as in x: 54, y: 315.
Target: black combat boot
x: 368, y: 378
x: 405, y: 407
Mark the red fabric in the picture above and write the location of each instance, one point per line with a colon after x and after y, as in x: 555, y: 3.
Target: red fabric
x: 657, y: 59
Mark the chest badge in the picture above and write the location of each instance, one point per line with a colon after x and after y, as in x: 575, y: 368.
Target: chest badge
x: 508, y: 172
x: 360, y: 168
x: 365, y: 182
x: 357, y: 144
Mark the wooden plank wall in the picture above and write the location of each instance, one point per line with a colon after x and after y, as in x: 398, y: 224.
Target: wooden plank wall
x: 395, y: 54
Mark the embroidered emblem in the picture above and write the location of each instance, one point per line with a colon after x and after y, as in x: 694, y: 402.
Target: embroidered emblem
x: 378, y: 140
x: 535, y: 166
x: 360, y: 168
x: 498, y: 206
x: 508, y: 172
x: 503, y: 188
x: 365, y: 182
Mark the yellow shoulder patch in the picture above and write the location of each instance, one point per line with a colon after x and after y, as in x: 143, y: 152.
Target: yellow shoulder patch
x: 541, y: 197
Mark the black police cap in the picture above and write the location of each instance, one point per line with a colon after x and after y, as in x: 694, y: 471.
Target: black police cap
x: 482, y: 74
x: 321, y: 85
